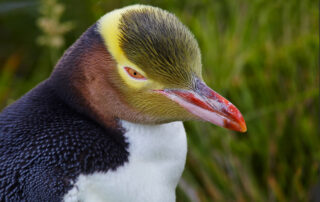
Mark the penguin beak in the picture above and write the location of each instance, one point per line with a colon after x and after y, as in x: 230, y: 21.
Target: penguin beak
x: 208, y: 105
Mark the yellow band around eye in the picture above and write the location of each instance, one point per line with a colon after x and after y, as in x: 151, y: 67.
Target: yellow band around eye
x: 108, y: 26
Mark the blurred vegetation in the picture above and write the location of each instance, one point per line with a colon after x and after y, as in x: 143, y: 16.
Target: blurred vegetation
x: 262, y: 55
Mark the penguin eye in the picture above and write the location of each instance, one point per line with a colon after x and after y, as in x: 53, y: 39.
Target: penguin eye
x: 134, y: 74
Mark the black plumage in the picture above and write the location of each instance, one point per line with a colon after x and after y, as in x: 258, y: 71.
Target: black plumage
x: 45, y: 144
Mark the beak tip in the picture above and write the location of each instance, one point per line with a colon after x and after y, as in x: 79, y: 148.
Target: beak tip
x: 243, y: 128
x: 238, y: 125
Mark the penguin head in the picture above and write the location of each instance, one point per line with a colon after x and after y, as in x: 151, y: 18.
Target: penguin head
x: 153, y: 74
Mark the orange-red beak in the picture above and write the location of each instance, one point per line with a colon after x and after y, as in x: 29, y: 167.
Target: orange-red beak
x: 208, y: 105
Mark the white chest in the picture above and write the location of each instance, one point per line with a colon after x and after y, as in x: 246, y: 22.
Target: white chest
x: 157, y: 155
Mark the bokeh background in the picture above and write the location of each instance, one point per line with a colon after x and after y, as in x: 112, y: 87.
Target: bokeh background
x: 262, y: 55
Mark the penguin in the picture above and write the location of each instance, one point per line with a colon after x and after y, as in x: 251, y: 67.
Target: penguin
x: 107, y: 124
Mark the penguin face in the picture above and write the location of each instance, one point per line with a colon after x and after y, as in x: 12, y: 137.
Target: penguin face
x: 158, y: 69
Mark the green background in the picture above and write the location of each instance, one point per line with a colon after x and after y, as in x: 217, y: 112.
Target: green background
x: 262, y: 55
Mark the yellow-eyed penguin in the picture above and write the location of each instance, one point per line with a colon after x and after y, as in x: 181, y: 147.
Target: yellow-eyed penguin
x: 106, y: 125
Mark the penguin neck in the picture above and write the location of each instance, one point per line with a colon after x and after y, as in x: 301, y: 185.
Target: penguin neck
x: 81, y: 79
